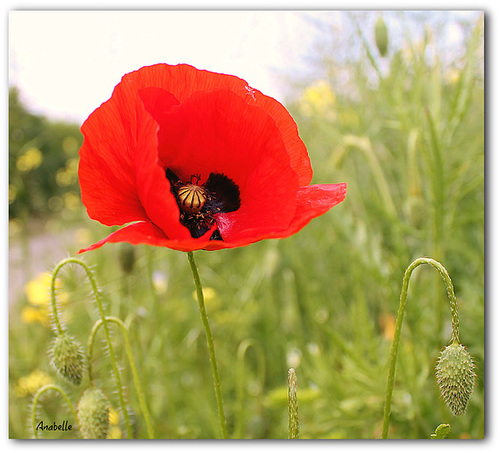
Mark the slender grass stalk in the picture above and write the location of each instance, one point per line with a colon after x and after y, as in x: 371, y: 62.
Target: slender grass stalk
x: 210, y: 343
x: 130, y: 357
x: 368, y: 51
x: 399, y: 322
x: 243, y: 348
x: 36, y: 398
x: 107, y: 334
x: 293, y: 405
x: 364, y: 145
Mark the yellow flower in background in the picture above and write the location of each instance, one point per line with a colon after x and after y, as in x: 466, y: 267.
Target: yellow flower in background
x: 30, y: 160
x: 114, y: 421
x: 37, y: 292
x: 37, y: 289
x: 318, y: 99
x: 31, y: 315
x: 28, y: 385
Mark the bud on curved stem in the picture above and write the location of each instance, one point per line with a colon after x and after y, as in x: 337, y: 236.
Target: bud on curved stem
x: 93, y: 414
x: 130, y: 356
x: 97, y: 297
x: 67, y: 358
x: 36, y: 399
x: 399, y: 322
x: 455, y: 376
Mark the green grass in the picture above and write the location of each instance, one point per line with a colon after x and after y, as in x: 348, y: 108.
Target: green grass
x: 408, y: 139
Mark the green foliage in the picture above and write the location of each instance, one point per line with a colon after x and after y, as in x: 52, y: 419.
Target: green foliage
x: 43, y: 163
x: 406, y: 132
x: 441, y: 432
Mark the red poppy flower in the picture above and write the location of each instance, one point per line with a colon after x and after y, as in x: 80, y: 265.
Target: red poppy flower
x: 193, y: 159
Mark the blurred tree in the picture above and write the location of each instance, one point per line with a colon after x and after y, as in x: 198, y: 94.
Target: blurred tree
x: 42, y: 162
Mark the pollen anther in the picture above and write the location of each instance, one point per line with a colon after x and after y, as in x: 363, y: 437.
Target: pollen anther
x: 192, y: 198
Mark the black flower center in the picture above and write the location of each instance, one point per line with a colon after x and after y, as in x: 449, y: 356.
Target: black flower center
x: 198, y: 203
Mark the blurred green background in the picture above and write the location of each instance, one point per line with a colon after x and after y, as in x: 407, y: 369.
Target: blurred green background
x: 402, y: 123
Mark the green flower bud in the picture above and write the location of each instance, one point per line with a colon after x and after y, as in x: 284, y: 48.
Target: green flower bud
x: 455, y: 376
x: 93, y: 414
x: 67, y: 358
x: 127, y: 257
x: 381, y: 36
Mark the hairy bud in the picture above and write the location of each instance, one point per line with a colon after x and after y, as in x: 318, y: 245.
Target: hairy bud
x: 93, y: 414
x: 67, y: 358
x: 455, y: 376
x: 381, y: 36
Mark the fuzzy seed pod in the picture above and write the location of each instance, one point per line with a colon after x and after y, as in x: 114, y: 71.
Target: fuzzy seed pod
x: 67, y: 358
x: 381, y: 36
x: 455, y: 376
x: 93, y: 414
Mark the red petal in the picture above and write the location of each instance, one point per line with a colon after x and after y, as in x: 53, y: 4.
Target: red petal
x: 106, y: 170
x: 218, y: 132
x: 313, y: 201
x: 184, y: 80
x: 299, y: 158
x: 120, y: 177
x: 147, y: 233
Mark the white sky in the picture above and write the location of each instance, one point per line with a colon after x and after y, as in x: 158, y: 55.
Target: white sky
x: 66, y: 63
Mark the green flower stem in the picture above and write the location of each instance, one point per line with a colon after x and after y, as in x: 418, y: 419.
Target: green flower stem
x: 399, y: 322
x: 130, y: 356
x: 107, y: 334
x: 210, y: 343
x: 36, y: 398
x: 53, y: 304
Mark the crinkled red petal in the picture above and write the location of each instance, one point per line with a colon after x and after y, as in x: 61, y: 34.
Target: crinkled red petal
x: 218, y: 132
x: 184, y: 80
x: 312, y: 201
x: 148, y: 233
x: 106, y: 171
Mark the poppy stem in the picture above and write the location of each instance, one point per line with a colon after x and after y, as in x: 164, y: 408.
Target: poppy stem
x: 133, y: 368
x: 36, y: 399
x: 107, y: 333
x: 399, y: 322
x: 210, y: 343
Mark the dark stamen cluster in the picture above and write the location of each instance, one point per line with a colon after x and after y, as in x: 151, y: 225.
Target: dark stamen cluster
x: 198, y: 204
